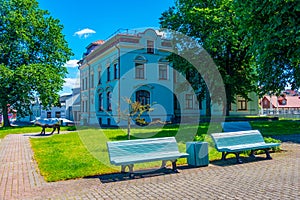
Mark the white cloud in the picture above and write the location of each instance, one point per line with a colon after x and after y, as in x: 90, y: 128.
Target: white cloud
x: 71, y: 83
x: 84, y: 33
x: 72, y: 63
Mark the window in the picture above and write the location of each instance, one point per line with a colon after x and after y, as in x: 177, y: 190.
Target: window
x: 86, y: 83
x: 48, y: 114
x: 57, y: 114
x: 82, y: 84
x: 143, y: 97
x: 189, y: 101
x: 86, y: 106
x: 100, y: 121
x: 116, y: 71
x: 150, y: 46
x: 241, y: 103
x: 99, y: 77
x: 82, y: 106
x: 108, y: 97
x: 139, y: 71
x: 92, y: 80
x: 108, y: 73
x: 163, y: 72
x: 100, y: 102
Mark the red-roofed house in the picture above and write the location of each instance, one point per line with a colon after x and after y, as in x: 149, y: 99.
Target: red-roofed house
x: 284, y: 104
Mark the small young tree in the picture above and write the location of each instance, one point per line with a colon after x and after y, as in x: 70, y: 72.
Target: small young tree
x: 135, y: 112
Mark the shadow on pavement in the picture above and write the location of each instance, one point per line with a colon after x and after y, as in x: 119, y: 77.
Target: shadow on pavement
x: 139, y: 174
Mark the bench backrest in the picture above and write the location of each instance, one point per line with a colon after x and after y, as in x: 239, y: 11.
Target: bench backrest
x: 237, y: 138
x: 236, y: 126
x: 47, y: 122
x: 141, y: 146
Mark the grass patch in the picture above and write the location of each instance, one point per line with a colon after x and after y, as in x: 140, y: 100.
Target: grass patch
x: 27, y: 129
x: 281, y: 127
x: 64, y: 156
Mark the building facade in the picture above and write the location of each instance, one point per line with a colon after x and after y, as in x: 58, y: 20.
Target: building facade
x: 133, y: 65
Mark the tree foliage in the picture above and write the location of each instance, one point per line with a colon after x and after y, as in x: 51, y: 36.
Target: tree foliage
x: 214, y: 24
x: 273, y: 28
x: 33, y: 52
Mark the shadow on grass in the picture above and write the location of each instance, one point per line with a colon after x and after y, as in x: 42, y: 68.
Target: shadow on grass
x: 295, y: 138
x: 39, y: 135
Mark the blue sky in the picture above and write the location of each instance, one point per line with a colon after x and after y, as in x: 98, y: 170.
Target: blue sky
x: 91, y: 20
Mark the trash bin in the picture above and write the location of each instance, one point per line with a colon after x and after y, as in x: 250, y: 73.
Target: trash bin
x: 198, y: 153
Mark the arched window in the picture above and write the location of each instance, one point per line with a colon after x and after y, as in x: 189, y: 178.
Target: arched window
x: 108, y: 73
x: 100, y: 102
x: 108, y: 97
x: 116, y: 71
x: 143, y: 97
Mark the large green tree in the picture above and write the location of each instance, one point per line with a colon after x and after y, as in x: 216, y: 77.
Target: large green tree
x: 273, y: 28
x: 214, y: 24
x: 33, y: 52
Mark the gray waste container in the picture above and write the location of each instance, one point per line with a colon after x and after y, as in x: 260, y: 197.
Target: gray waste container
x: 198, y: 153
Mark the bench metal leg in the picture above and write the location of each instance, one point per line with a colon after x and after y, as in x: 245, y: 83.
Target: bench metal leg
x: 224, y: 156
x: 43, y: 132
x: 238, y: 160
x: 130, y: 168
x: 174, y: 167
x: 163, y: 164
x: 268, y: 154
x: 252, y: 154
x: 123, y: 167
x: 54, y: 128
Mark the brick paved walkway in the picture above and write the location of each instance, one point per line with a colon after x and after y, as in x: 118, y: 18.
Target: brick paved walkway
x: 261, y: 179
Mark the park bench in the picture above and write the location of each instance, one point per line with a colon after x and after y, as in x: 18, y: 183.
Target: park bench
x: 48, y: 123
x: 236, y: 126
x: 127, y: 153
x: 239, y: 141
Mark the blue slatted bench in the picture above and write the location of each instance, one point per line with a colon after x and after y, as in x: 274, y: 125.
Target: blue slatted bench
x: 239, y: 141
x: 236, y: 126
x: 127, y: 153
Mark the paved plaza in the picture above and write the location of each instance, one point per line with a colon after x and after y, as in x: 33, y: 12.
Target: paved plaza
x: 254, y: 179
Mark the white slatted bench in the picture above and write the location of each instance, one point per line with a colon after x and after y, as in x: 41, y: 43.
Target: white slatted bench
x: 239, y: 141
x: 236, y: 126
x: 127, y: 153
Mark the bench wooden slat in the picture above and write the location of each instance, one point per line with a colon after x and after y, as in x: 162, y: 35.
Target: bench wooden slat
x: 126, y: 160
x: 236, y: 126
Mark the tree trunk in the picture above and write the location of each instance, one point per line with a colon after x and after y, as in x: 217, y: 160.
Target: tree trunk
x: 227, y: 106
x: 208, y: 103
x: 5, y: 116
x: 128, y: 128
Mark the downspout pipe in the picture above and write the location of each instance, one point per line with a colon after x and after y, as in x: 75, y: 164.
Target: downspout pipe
x: 119, y: 82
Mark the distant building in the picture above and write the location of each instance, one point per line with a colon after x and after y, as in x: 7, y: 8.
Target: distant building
x: 283, y: 104
x: 69, y: 109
